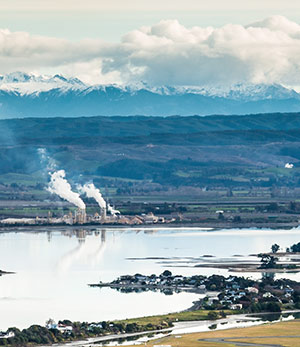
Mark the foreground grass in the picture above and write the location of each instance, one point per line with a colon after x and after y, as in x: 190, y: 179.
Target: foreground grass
x: 276, y: 334
x: 172, y: 317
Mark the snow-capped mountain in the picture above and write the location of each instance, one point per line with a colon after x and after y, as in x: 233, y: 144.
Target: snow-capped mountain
x: 24, y: 83
x: 251, y: 92
x: 24, y: 95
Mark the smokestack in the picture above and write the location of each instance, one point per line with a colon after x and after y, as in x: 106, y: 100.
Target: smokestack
x: 103, y: 214
x: 80, y: 216
x: 60, y: 186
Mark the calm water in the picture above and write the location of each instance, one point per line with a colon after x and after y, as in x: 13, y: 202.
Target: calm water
x: 54, y: 268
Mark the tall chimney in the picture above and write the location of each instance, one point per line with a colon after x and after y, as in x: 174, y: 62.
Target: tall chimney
x: 103, y: 214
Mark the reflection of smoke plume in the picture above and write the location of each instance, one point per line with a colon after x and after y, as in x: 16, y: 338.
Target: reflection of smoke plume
x: 89, y: 252
x: 92, y: 192
x: 60, y: 186
x: 112, y: 210
x: 46, y: 159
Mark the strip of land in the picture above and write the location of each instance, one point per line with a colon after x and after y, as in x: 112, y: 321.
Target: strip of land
x: 284, y: 334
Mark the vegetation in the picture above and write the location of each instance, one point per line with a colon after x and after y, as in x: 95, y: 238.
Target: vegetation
x: 208, y: 157
x: 275, y: 248
x: 268, y: 261
x: 267, y: 295
x: 295, y: 248
x: 234, y: 293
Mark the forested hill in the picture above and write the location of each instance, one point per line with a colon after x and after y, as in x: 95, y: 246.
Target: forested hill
x: 212, y: 152
x: 36, y: 129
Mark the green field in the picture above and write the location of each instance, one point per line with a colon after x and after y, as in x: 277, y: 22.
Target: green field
x: 286, y: 334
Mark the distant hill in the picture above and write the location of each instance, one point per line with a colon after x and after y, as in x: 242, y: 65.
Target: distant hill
x: 155, y: 155
x: 146, y: 129
x: 25, y: 95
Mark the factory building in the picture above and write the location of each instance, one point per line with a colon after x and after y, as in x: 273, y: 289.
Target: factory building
x: 80, y: 217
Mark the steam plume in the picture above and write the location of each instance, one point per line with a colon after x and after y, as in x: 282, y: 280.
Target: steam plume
x: 46, y: 159
x: 92, y: 192
x: 112, y: 210
x: 60, y: 186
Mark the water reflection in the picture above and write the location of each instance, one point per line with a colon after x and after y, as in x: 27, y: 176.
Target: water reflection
x: 93, y: 252
x: 54, y: 267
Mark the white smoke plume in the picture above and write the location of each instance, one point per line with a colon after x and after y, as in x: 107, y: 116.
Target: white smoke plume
x: 60, y: 186
x: 112, y: 210
x: 92, y: 192
x: 46, y: 159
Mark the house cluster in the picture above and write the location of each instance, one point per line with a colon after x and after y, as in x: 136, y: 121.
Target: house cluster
x: 68, y: 329
x: 164, y: 280
x: 63, y: 328
x: 237, y: 295
x: 94, y: 326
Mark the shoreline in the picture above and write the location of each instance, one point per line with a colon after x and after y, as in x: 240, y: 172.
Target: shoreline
x: 180, y: 325
x: 205, y: 226
x: 150, y: 287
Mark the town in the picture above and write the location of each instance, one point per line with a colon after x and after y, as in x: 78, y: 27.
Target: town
x: 222, y: 296
x: 231, y: 293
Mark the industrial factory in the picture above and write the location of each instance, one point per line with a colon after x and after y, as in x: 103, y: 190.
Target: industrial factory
x: 106, y: 215
x: 80, y: 217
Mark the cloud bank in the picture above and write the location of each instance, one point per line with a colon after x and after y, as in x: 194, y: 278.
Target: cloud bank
x: 167, y: 53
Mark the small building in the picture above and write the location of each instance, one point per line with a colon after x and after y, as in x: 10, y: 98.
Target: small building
x: 252, y: 290
x: 64, y: 328
x: 6, y: 335
x: 236, y: 306
x: 150, y: 218
x: 267, y: 295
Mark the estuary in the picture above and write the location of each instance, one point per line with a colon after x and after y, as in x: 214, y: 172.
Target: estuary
x: 53, y: 268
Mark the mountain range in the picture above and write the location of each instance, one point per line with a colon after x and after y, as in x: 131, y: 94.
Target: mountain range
x: 29, y: 95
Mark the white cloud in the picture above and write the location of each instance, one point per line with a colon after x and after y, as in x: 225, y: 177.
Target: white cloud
x: 167, y: 53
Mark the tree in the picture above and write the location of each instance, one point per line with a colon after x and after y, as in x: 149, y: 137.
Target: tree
x: 268, y: 261
x: 212, y: 315
x: 295, y: 248
x: 273, y: 207
x: 167, y: 273
x: 275, y: 248
x: 237, y: 219
x: 293, y: 206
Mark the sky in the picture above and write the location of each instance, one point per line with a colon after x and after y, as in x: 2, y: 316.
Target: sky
x: 191, y: 42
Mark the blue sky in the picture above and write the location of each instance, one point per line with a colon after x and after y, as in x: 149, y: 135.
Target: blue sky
x: 110, y: 20
x: 162, y: 42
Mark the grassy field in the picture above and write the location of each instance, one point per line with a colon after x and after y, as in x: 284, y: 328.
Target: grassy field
x: 171, y: 317
x: 282, y: 334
